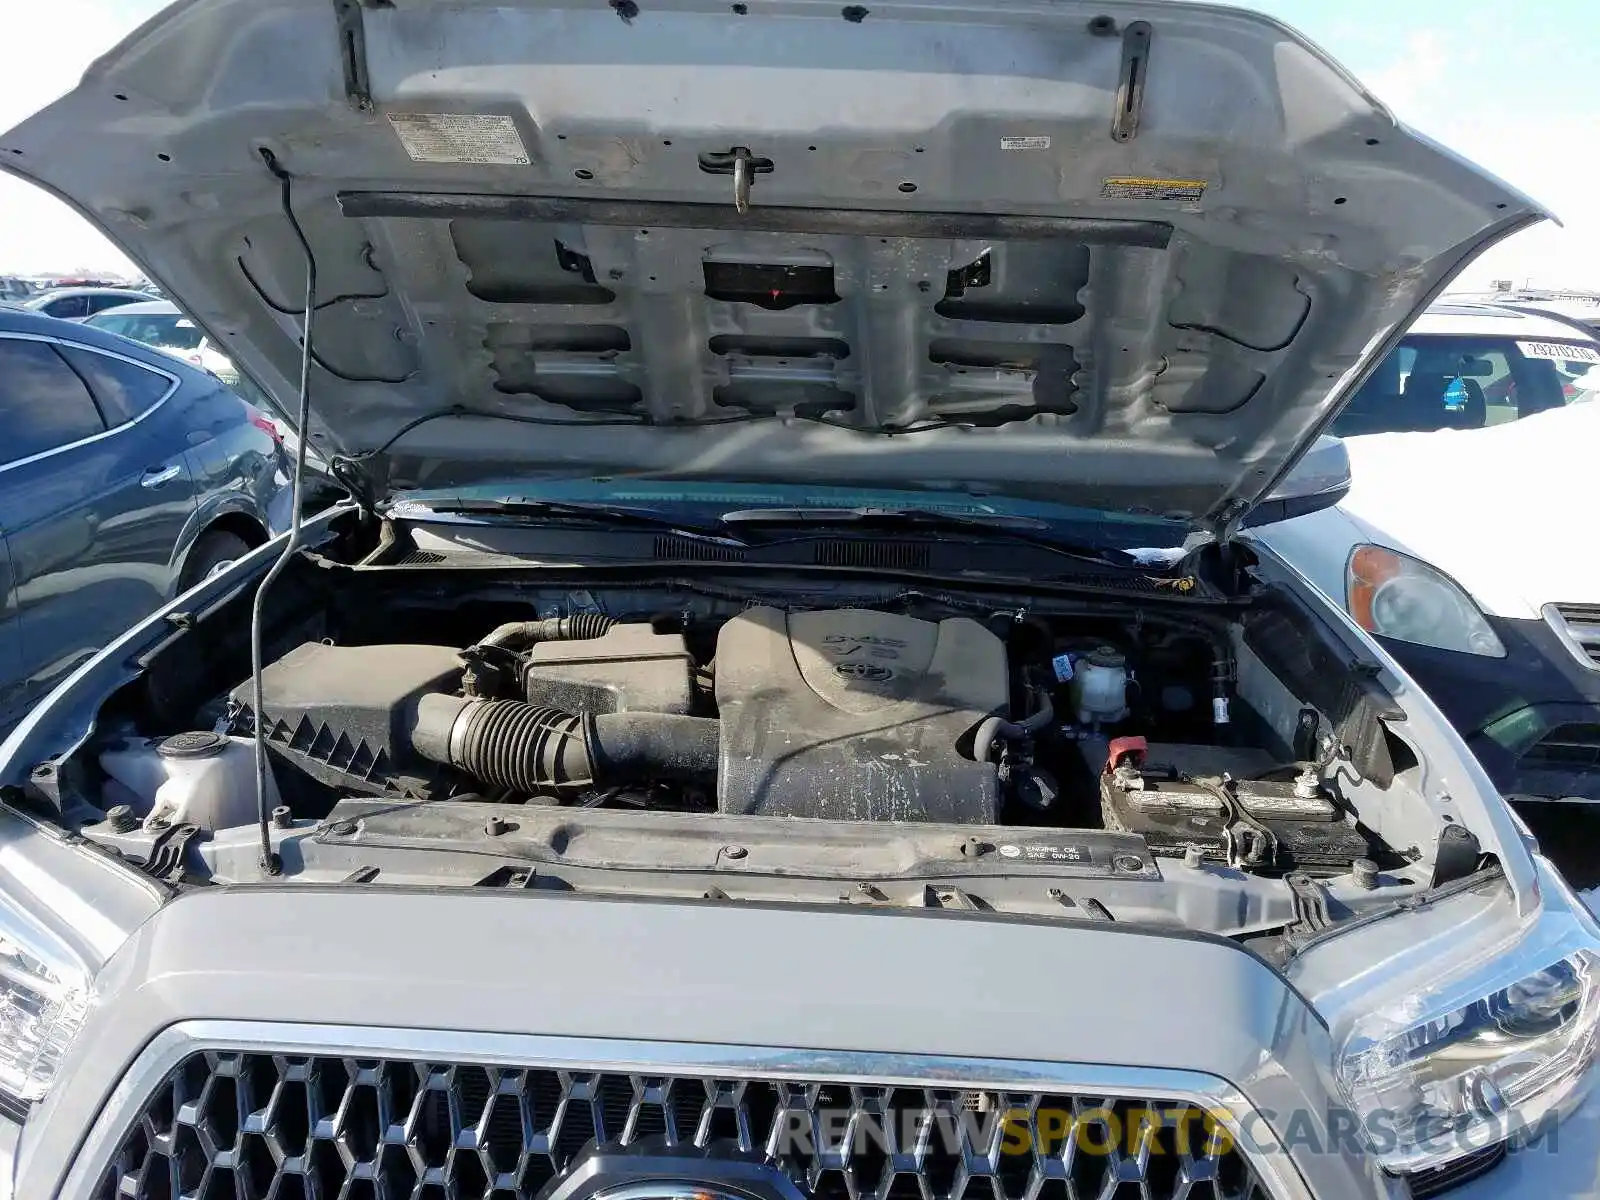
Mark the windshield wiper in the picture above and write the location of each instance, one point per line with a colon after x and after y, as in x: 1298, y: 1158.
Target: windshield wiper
x: 1029, y: 531
x: 563, y: 510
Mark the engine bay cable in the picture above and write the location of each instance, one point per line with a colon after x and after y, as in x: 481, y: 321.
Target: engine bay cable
x: 271, y: 864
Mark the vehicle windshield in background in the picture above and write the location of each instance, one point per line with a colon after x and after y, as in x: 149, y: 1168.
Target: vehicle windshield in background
x: 166, y: 330
x: 1468, y: 382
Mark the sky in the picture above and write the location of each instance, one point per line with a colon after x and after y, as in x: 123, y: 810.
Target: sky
x: 1514, y: 87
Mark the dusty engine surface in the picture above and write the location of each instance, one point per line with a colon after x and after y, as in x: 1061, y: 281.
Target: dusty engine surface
x: 854, y: 714
x: 849, y: 714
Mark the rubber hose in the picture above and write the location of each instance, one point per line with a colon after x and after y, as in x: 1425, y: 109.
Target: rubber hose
x: 579, y: 627
x: 998, y: 727
x: 645, y: 745
x: 531, y: 749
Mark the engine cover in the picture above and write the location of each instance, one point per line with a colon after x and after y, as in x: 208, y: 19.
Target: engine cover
x: 851, y: 714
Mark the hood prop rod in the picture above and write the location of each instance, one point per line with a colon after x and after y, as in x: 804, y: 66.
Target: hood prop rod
x: 271, y: 864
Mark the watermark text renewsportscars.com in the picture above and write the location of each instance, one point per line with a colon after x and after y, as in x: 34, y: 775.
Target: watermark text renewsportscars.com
x: 1126, y: 1130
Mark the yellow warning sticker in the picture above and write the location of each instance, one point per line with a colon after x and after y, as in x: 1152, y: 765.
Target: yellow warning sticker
x: 1139, y: 187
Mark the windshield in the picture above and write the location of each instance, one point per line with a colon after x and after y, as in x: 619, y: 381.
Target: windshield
x: 1436, y: 381
x: 153, y: 329
x: 708, y: 501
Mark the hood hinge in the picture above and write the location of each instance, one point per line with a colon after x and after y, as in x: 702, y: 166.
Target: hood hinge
x: 1225, y: 524
x: 361, y: 485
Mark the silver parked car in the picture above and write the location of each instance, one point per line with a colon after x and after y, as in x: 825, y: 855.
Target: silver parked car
x: 793, y: 708
x: 80, y: 303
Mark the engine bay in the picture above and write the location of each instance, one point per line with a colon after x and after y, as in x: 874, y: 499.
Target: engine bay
x: 847, y: 714
x: 1197, y: 766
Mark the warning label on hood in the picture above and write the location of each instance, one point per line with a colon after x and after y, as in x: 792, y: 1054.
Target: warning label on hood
x: 1139, y: 187
x: 460, y: 138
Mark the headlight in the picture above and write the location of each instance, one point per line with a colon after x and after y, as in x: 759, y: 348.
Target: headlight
x: 44, y: 997
x: 1401, y: 597
x: 1460, y: 1064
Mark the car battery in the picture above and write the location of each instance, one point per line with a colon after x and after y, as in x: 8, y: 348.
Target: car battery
x: 1156, y: 791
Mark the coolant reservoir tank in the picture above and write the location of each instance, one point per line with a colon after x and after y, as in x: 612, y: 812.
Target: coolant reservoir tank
x: 1100, y: 686
x: 196, y: 778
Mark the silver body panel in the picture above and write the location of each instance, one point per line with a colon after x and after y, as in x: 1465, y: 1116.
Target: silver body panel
x: 1175, y: 304
x: 482, y: 974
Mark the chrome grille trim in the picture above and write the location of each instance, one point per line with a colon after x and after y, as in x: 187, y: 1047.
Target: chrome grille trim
x: 176, y: 1045
x: 1578, y: 628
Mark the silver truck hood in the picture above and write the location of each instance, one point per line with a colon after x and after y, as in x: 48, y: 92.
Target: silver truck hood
x: 1123, y: 255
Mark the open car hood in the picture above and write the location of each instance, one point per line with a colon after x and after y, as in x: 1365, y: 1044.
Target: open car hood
x: 1122, y: 255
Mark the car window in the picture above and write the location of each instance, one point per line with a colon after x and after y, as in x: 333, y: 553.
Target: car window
x: 1434, y: 381
x: 99, y: 303
x: 67, y: 306
x: 124, y: 389
x: 43, y: 403
x: 153, y: 329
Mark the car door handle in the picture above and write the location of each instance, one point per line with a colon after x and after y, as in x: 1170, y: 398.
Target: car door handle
x: 156, y: 476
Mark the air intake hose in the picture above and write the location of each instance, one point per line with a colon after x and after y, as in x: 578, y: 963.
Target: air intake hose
x: 579, y: 627
x: 532, y: 749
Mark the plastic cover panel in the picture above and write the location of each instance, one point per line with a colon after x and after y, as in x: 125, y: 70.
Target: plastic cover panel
x: 856, y: 715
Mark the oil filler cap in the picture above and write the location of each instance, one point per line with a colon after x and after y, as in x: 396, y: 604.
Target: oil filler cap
x: 196, y: 743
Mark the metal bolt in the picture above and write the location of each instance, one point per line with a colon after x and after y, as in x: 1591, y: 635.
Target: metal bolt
x: 282, y: 817
x: 342, y: 828
x: 1193, y: 857
x: 495, y: 826
x: 1128, y: 862
x: 1365, y: 874
x: 121, y: 819
x: 734, y: 851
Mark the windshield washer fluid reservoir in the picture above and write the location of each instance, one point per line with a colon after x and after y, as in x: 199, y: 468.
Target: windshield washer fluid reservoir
x: 196, y: 778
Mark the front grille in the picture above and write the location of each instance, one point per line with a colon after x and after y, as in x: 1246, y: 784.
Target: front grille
x: 245, y: 1126
x: 1563, y: 763
x: 1436, y: 1181
x: 1583, y: 626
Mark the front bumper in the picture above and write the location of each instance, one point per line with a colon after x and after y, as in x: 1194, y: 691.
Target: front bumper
x: 1506, y: 707
x: 848, y: 994
x: 1562, y: 1165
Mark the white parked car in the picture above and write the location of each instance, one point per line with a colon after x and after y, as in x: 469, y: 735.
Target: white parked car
x: 161, y: 325
x: 1466, y: 543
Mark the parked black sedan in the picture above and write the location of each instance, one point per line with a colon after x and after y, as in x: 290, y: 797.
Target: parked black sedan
x: 125, y: 477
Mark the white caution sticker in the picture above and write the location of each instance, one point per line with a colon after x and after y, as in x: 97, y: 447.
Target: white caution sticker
x: 1031, y: 142
x: 1560, y: 351
x: 460, y: 138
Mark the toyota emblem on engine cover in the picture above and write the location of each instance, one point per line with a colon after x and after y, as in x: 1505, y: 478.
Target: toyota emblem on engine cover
x: 871, y: 671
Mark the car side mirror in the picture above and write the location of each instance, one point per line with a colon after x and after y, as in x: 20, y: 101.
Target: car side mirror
x: 1318, y: 480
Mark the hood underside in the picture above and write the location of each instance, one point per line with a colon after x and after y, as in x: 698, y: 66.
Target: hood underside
x: 1128, y: 256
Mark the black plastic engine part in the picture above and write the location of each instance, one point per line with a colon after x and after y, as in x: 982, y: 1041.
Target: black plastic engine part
x: 575, y: 628
x: 628, y: 668
x: 343, y: 714
x: 853, y: 714
x: 532, y: 749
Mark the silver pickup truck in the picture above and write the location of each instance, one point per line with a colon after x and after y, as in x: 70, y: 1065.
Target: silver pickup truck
x: 792, y: 708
